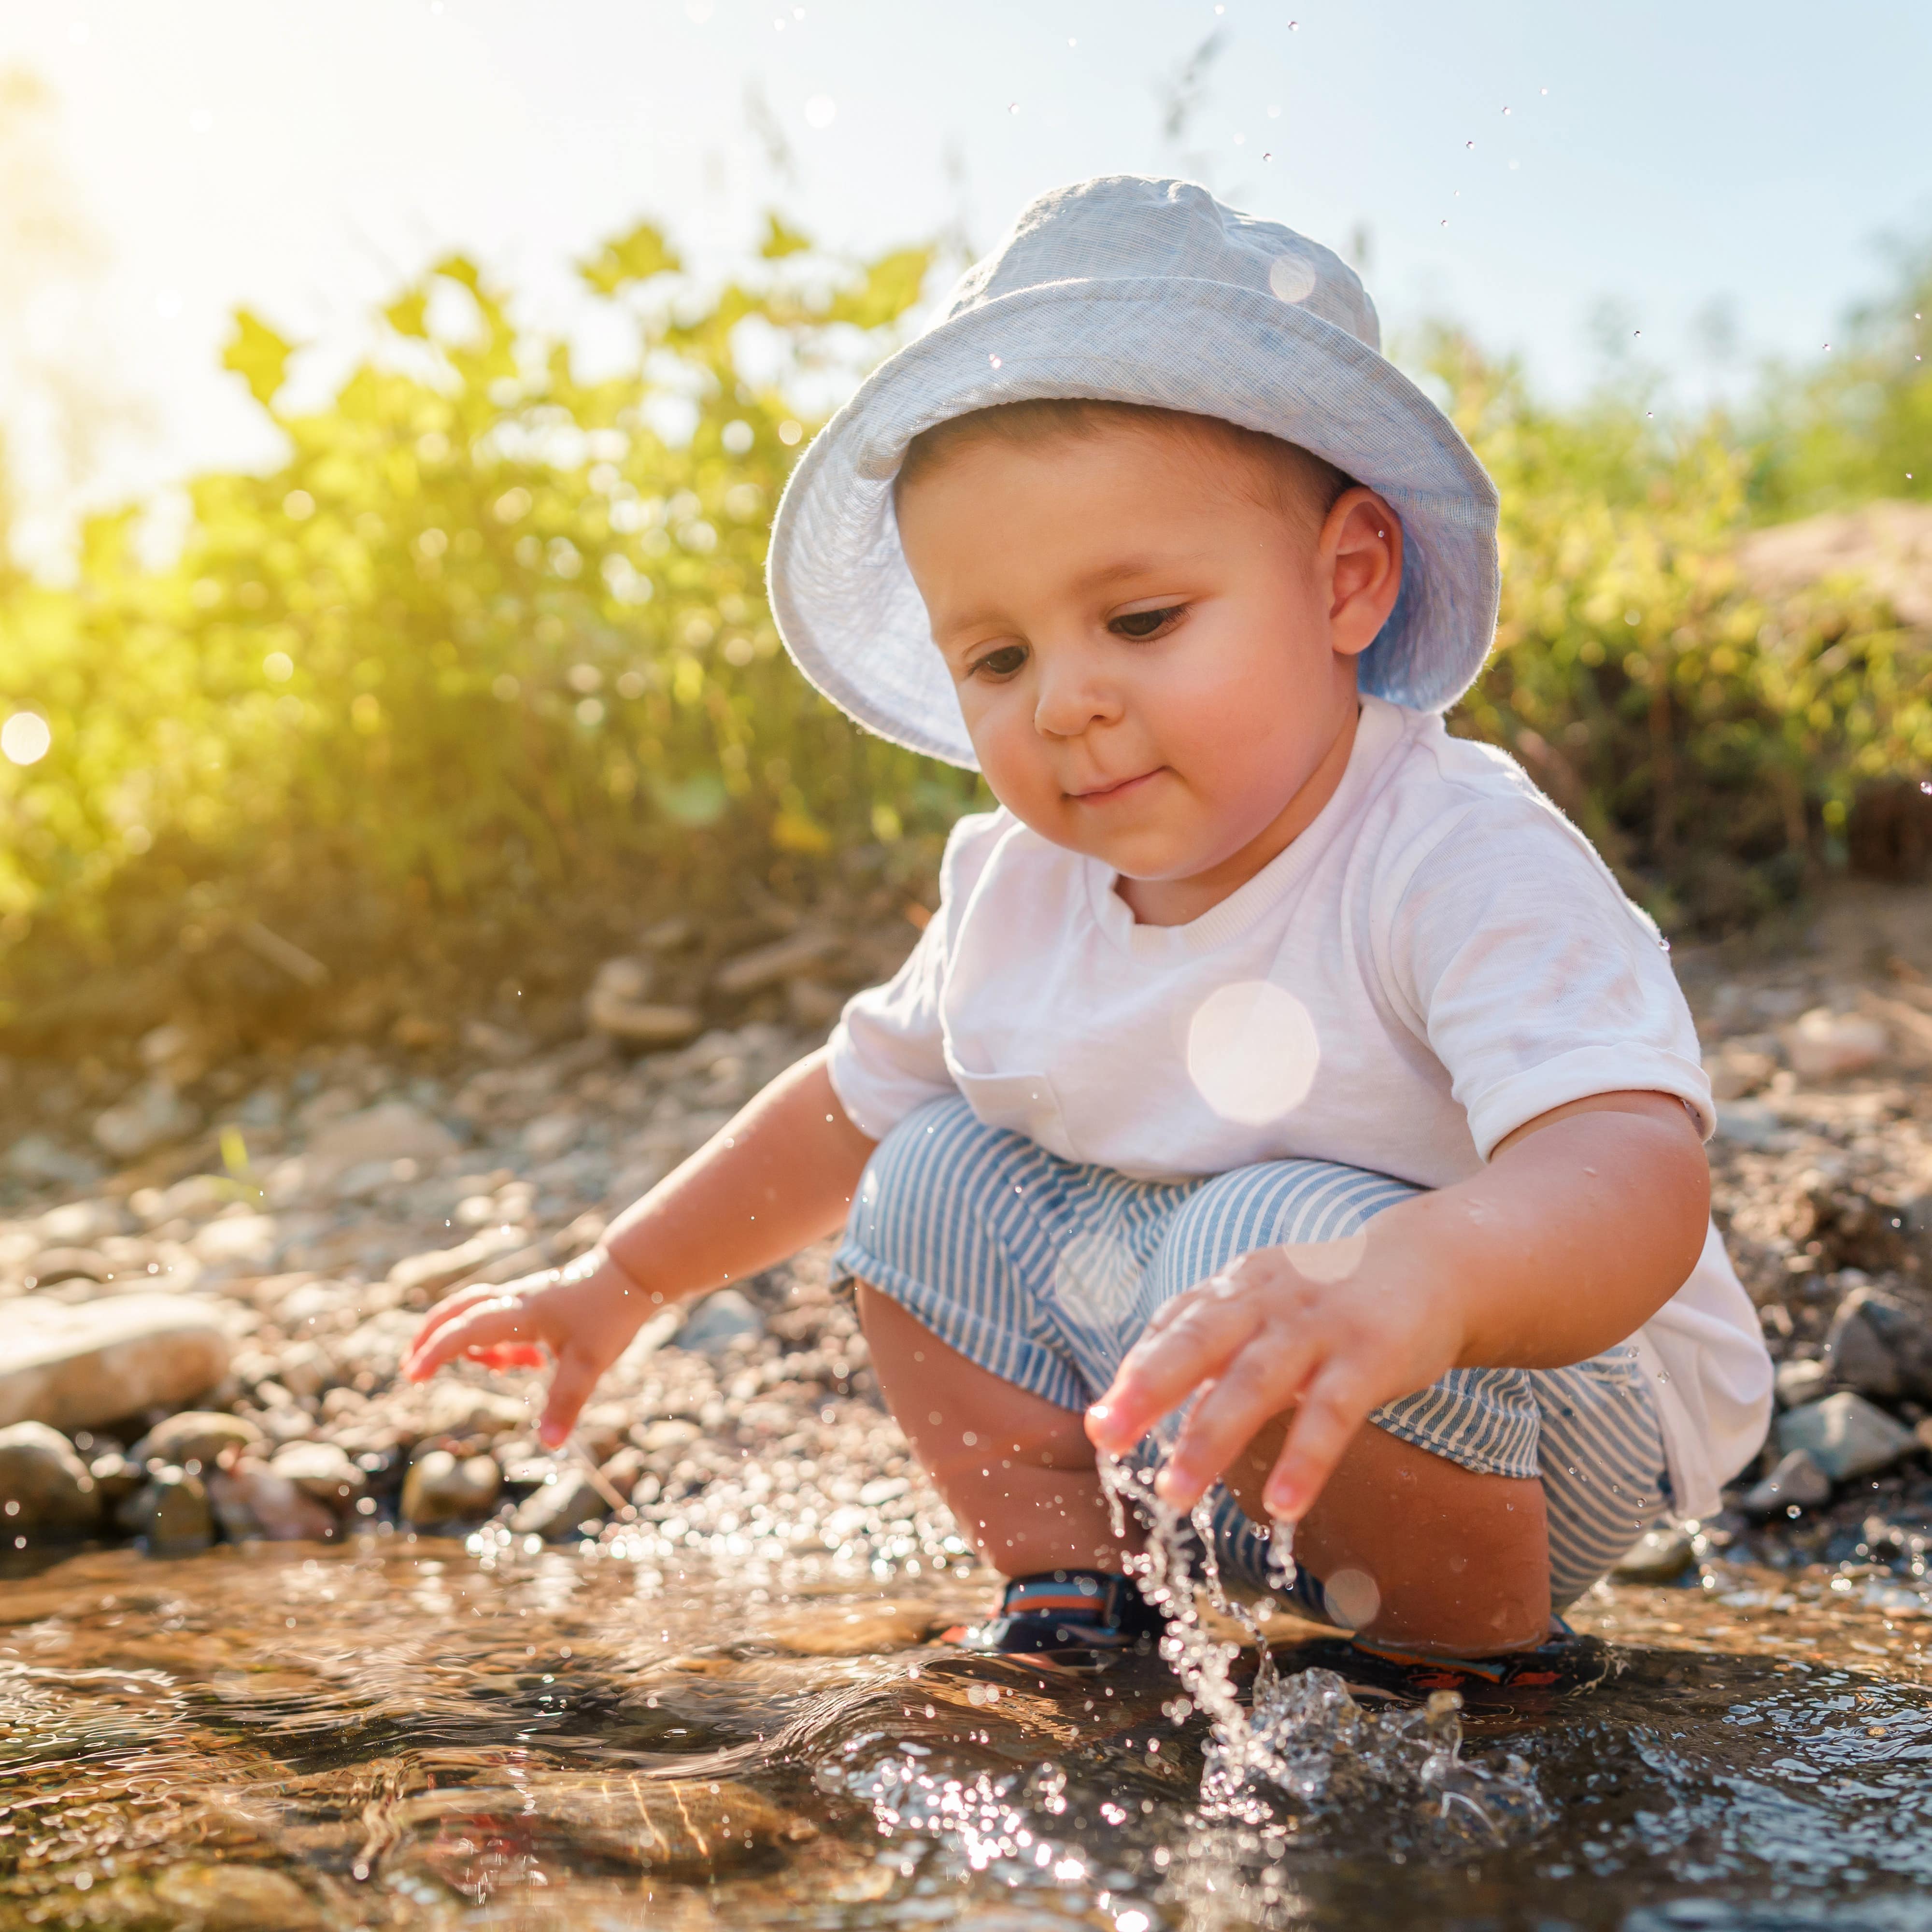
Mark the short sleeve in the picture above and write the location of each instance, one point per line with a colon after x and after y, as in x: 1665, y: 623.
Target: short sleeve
x: 1534, y: 981
x: 887, y: 1055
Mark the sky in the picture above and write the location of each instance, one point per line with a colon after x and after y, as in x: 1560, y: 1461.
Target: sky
x: 1697, y: 186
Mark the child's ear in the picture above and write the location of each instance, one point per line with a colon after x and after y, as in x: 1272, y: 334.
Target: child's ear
x: 1361, y: 546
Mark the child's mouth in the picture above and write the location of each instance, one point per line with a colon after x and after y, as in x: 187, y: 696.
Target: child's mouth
x: 1107, y: 793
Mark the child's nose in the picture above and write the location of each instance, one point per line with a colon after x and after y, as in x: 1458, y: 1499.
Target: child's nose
x: 1072, y: 699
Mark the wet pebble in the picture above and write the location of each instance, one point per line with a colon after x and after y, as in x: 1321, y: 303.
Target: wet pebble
x: 323, y: 1471
x: 172, y: 1511
x: 1656, y: 1557
x: 568, y: 1500
x: 1797, y: 1481
x: 251, y: 1500
x: 442, y: 1488
x: 236, y: 1898
x: 47, y: 1493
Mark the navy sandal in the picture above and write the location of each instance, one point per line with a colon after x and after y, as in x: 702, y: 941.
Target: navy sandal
x: 1563, y: 1664
x: 1067, y: 1616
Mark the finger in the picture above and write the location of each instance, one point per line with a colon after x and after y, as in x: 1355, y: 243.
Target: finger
x: 487, y: 1323
x: 1335, y: 1405
x: 570, y: 1389
x: 1266, y: 1377
x: 454, y: 1307
x: 1160, y: 1369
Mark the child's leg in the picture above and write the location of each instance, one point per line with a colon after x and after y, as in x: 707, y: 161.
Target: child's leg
x: 1015, y: 1470
x: 1416, y: 1550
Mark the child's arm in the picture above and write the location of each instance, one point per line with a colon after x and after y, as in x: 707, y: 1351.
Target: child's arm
x: 780, y: 1175
x: 1586, y: 1221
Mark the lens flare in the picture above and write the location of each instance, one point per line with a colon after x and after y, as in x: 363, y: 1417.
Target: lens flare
x: 1252, y: 1051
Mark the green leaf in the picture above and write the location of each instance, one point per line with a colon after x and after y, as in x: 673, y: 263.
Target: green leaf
x: 634, y: 257
x: 780, y: 240
x: 407, y: 316
x: 257, y: 354
x: 892, y: 284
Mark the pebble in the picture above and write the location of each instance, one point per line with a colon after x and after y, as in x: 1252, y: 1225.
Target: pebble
x: 618, y: 1005
x: 152, y: 1116
x: 1845, y: 1436
x: 1796, y: 1479
x: 567, y: 1500
x: 79, y: 1367
x: 684, y: 1829
x: 455, y: 1409
x: 323, y: 1470
x: 768, y: 965
x: 440, y: 1488
x: 1880, y: 1346
x: 171, y: 1511
x: 715, y: 1323
x: 872, y: 1627
x: 1822, y: 1045
x: 196, y: 1436
x: 47, y: 1493
x: 237, y: 1898
x: 1657, y: 1556
x: 252, y: 1500
x: 1798, y: 1381
x: 393, y: 1130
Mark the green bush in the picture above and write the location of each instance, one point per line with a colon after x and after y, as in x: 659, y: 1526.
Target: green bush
x: 493, y: 637
x: 491, y: 634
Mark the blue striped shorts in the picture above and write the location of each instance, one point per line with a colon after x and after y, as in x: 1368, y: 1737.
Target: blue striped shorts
x: 1045, y: 1271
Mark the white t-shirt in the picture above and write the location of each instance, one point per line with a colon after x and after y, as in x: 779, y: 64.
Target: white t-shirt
x: 1440, y: 957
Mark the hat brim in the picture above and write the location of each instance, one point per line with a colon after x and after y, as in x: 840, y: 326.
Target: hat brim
x: 845, y: 600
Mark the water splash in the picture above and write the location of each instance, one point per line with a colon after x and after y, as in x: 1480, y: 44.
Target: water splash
x: 1303, y: 1738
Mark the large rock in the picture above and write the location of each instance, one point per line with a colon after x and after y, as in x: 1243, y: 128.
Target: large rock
x: 1880, y: 1346
x: 46, y: 1495
x: 440, y: 1488
x: 78, y: 1367
x: 1845, y: 1436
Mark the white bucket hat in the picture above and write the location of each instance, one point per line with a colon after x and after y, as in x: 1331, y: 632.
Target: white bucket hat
x: 1127, y: 289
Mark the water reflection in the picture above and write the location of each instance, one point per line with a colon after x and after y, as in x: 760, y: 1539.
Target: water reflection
x: 422, y: 1735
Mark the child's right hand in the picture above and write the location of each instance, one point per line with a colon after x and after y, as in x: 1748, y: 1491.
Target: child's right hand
x: 584, y: 1314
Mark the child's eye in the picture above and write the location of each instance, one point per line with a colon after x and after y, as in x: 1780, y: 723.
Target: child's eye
x: 1002, y: 662
x: 1139, y: 625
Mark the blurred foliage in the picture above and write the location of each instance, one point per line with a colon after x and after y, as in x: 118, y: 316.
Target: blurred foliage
x: 1711, y: 744
x: 494, y: 633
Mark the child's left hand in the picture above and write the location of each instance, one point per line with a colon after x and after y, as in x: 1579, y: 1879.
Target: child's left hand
x: 1264, y: 1337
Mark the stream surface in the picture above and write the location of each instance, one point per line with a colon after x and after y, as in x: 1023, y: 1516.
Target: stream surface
x: 411, y: 1733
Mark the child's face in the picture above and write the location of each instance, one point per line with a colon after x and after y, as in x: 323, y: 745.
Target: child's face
x: 1153, y: 663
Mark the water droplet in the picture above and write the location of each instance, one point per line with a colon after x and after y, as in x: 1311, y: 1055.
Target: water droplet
x: 994, y: 360
x: 1012, y: 107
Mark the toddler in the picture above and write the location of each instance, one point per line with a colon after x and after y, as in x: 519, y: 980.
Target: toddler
x: 1279, y: 1072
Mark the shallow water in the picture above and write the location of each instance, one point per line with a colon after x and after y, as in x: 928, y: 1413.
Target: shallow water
x: 409, y: 1733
